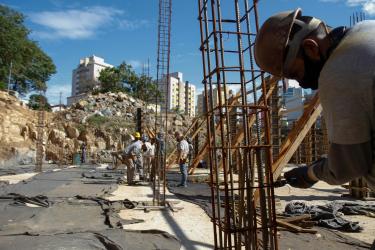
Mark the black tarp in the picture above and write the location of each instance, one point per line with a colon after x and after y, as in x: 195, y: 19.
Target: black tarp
x: 72, y: 213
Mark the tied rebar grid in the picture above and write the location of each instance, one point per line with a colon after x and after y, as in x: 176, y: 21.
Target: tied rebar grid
x: 243, y: 207
x: 40, y: 133
x: 162, y: 78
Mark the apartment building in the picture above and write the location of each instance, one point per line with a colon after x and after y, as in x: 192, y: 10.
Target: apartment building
x: 85, y: 76
x: 180, y: 95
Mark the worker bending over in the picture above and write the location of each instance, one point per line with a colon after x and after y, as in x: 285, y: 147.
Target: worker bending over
x: 133, y: 158
x: 340, y: 63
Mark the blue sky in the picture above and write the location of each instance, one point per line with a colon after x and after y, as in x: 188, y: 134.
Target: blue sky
x: 126, y: 30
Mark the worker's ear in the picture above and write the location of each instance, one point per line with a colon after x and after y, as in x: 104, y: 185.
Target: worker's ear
x: 311, y: 49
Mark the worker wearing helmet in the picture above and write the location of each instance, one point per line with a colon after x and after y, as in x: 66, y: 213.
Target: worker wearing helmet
x: 340, y: 63
x: 133, y: 158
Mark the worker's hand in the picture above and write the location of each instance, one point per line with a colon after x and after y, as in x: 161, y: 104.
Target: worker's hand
x: 299, y: 178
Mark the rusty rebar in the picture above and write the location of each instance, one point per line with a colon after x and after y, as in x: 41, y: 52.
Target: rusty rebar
x: 234, y: 180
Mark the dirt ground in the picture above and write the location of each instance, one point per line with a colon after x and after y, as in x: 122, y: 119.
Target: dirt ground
x: 191, y: 224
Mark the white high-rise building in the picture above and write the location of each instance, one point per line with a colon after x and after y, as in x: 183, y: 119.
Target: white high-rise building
x: 190, y: 92
x: 293, y: 101
x: 85, y: 76
x: 215, y: 99
x: 180, y: 96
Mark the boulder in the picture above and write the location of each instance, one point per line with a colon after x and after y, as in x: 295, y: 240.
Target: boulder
x: 100, y: 144
x: 107, y: 112
x: 56, y: 137
x: 81, y: 104
x: 71, y: 132
x: 83, y: 136
x: 132, y: 100
x: 25, y: 132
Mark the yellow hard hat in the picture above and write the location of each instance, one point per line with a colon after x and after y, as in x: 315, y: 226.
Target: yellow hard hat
x: 137, y: 135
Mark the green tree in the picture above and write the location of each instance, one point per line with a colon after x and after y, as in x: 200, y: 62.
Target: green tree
x: 124, y: 79
x: 36, y: 100
x: 31, y: 67
x: 117, y: 79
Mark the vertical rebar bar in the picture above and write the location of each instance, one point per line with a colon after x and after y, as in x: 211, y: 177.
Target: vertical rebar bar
x: 163, y: 81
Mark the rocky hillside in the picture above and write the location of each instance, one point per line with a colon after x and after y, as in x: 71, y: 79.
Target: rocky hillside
x: 104, y: 122
x: 17, y: 129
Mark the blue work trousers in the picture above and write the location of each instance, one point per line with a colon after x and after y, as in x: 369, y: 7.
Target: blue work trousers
x: 184, y: 173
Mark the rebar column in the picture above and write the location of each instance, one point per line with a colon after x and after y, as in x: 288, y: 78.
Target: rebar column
x: 162, y: 102
x: 40, y: 134
x: 240, y: 220
x: 275, y: 122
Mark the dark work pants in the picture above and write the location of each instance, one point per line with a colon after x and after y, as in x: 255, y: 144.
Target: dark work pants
x: 184, y: 173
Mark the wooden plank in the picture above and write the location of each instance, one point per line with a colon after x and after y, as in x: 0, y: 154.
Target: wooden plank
x: 297, y: 218
x: 204, y: 150
x: 294, y: 228
x: 240, y: 136
x: 296, y: 136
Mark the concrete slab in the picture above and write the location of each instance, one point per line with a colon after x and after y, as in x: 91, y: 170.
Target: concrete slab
x: 191, y: 224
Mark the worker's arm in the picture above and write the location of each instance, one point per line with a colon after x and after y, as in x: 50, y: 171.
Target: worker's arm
x: 344, y: 163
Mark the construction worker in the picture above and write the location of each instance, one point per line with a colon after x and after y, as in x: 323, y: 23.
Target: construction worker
x: 191, y: 150
x: 182, y: 158
x: 133, y: 158
x: 340, y: 63
x: 83, y: 153
x: 148, y: 155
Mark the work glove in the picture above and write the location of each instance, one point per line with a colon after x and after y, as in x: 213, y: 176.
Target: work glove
x: 298, y: 177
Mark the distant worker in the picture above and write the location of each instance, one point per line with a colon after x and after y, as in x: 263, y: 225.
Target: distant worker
x: 191, y: 150
x: 133, y: 159
x: 340, y: 63
x: 182, y: 158
x: 148, y: 156
x: 159, y: 156
x: 83, y: 152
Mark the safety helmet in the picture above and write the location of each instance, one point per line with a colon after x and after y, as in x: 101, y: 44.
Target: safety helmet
x: 137, y: 135
x: 274, y: 49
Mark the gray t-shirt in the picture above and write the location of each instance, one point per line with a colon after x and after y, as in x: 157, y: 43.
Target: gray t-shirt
x: 346, y: 91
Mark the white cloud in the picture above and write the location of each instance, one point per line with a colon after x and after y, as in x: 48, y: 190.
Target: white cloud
x: 329, y: 1
x: 354, y: 3
x: 80, y: 23
x: 135, y: 64
x: 132, y: 24
x: 368, y: 6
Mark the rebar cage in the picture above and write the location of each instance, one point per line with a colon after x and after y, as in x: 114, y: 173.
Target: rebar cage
x: 162, y: 79
x: 238, y: 127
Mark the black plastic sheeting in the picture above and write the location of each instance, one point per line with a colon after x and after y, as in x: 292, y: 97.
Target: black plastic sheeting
x: 330, y: 215
x: 66, y: 183
x: 110, y: 239
x: 329, y: 239
x: 67, y: 208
